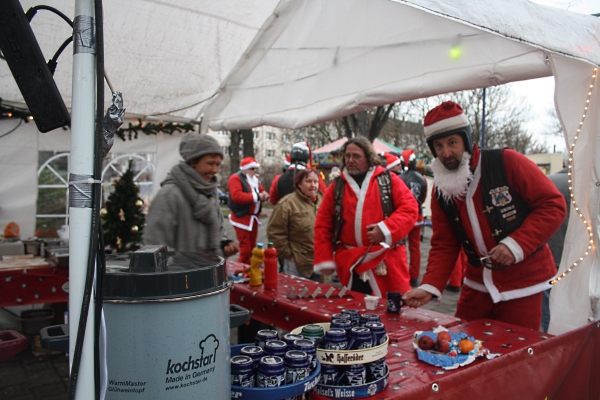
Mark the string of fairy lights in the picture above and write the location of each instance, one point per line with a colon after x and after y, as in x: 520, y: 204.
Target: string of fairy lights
x: 575, y: 207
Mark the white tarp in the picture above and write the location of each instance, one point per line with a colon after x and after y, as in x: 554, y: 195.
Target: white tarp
x: 299, y: 62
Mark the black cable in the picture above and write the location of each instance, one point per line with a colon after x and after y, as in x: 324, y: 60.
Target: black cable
x: 101, y: 268
x: 52, y: 63
x: 33, y: 10
x: 12, y: 130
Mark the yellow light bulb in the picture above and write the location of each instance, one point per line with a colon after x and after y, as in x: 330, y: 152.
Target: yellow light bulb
x: 455, y: 52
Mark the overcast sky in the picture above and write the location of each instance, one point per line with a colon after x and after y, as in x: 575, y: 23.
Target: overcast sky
x: 539, y: 93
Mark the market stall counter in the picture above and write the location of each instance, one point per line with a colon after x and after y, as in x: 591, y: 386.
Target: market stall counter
x: 528, y: 363
x: 31, y: 280
x: 283, y: 308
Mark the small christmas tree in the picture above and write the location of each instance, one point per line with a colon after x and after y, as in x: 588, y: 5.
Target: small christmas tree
x: 122, y: 218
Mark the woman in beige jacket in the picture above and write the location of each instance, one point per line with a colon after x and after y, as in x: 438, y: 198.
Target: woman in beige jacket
x: 291, y: 226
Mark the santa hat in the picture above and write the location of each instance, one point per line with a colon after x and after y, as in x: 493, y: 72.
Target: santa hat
x: 446, y: 119
x: 408, y: 155
x: 390, y: 160
x: 247, y: 163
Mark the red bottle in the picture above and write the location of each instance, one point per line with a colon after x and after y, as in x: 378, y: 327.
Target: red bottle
x: 271, y: 268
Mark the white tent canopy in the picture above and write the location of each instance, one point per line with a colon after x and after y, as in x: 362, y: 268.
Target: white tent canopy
x: 300, y: 62
x: 319, y: 60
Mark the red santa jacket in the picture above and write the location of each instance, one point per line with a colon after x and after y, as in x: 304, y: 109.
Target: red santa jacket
x: 238, y: 196
x: 533, y: 267
x: 362, y: 207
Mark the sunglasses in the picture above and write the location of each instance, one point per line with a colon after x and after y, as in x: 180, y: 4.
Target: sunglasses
x: 488, y: 263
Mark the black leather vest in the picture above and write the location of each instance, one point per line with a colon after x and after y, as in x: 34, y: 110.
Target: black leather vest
x: 505, y: 209
x: 237, y: 209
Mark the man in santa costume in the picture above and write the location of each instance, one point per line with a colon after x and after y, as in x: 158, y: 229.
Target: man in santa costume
x: 246, y: 195
x: 501, y: 209
x: 352, y: 235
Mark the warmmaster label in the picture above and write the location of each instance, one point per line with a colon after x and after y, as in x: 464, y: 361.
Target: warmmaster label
x: 133, y: 387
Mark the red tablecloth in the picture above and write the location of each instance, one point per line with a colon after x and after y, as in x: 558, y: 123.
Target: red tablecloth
x: 33, y: 285
x: 533, y: 365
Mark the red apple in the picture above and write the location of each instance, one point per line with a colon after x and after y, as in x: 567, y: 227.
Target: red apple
x: 442, y: 345
x: 425, y: 342
x: 444, y: 335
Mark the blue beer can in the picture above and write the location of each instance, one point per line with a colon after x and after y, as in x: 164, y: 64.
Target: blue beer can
x: 377, y: 332
x: 340, y: 316
x: 276, y: 348
x: 344, y: 324
x: 297, y: 366
x: 242, y: 371
x: 290, y: 338
x: 354, y: 315
x: 360, y: 338
x: 329, y: 374
x: 376, y: 369
x: 254, y: 352
x: 310, y: 348
x: 271, y: 372
x: 335, y: 339
x: 365, y: 318
x: 263, y: 336
x: 355, y: 375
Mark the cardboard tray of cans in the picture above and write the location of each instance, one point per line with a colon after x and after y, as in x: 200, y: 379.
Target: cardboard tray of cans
x: 280, y: 392
x: 348, y: 357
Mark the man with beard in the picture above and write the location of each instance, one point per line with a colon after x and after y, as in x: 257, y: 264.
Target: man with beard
x: 501, y: 209
x: 365, y: 212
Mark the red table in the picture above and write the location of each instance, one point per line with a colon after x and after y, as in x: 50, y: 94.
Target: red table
x: 533, y: 364
x: 32, y: 284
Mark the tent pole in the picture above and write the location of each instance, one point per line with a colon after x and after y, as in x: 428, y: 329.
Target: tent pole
x: 483, y: 122
x: 82, y: 168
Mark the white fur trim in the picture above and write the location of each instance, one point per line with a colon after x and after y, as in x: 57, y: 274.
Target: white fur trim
x: 527, y: 291
x: 386, y: 233
x: 475, y: 285
x: 242, y: 226
x: 514, y: 248
x: 318, y: 268
x: 361, y: 194
x: 248, y: 166
x: 392, y: 165
x: 373, y: 282
x: 446, y: 125
x: 433, y: 290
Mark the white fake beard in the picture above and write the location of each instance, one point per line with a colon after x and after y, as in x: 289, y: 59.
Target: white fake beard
x: 452, y: 184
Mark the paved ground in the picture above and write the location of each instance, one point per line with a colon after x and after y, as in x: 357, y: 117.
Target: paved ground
x: 35, y: 377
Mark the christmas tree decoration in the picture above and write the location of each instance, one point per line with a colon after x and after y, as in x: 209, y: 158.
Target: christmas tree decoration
x: 123, y: 223
x: 103, y: 212
x: 140, y: 203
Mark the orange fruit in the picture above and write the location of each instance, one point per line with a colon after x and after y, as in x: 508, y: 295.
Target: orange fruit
x: 465, y: 346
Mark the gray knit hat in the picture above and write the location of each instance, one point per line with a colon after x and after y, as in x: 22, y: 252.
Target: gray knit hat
x: 194, y: 145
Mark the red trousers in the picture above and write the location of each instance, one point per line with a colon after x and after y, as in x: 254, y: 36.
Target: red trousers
x: 414, y: 248
x: 525, y: 311
x: 247, y: 241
